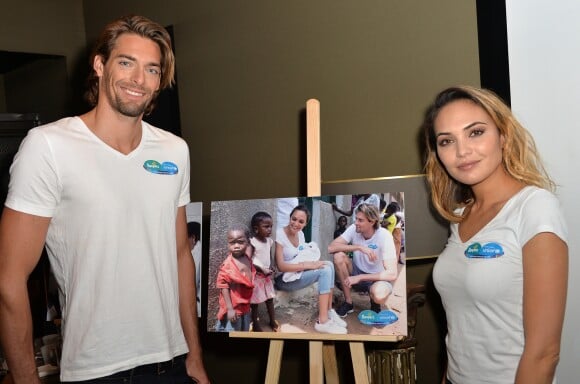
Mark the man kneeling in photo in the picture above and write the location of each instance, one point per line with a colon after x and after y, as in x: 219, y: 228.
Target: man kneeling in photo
x: 374, y: 263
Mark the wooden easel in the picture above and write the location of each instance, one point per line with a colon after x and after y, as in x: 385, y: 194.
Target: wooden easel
x: 322, y: 352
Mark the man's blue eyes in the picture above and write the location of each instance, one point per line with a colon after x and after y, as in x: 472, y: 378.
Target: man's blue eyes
x: 153, y: 70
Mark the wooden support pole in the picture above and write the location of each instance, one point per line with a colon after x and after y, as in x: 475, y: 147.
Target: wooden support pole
x: 359, y: 362
x: 274, y: 361
x: 313, y: 174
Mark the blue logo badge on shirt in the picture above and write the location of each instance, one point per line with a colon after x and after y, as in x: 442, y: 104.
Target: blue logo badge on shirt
x: 165, y: 168
x: 486, y: 251
x: 373, y: 246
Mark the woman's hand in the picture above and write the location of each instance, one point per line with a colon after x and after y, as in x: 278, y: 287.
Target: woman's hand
x: 312, y: 264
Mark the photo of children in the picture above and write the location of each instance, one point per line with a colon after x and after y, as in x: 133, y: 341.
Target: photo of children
x: 294, y: 269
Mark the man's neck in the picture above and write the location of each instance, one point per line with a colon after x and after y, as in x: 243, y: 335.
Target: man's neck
x: 122, y: 133
x: 369, y: 234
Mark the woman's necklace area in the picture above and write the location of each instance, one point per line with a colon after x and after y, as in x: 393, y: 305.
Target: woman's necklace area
x: 293, y: 237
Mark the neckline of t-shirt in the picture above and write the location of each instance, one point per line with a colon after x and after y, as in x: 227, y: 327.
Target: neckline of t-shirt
x: 129, y: 155
x: 499, y: 214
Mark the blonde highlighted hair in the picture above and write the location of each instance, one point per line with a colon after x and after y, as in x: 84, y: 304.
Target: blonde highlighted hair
x: 371, y: 213
x: 520, y: 157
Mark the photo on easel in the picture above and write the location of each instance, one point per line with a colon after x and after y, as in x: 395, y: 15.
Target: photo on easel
x: 193, y: 212
x: 309, y: 267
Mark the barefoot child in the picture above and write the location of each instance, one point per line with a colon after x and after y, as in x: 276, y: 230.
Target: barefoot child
x: 263, y: 285
x: 235, y: 281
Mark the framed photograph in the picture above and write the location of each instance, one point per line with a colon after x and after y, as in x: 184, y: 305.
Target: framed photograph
x: 274, y: 262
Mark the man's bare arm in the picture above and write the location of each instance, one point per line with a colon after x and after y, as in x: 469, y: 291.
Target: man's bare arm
x: 187, y: 300
x: 22, y: 237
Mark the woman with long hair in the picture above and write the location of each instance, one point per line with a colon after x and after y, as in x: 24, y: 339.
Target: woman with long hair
x: 503, y: 274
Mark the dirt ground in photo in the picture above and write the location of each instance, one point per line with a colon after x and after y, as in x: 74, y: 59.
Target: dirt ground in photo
x: 299, y: 316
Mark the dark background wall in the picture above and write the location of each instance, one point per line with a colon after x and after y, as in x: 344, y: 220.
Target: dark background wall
x: 245, y: 70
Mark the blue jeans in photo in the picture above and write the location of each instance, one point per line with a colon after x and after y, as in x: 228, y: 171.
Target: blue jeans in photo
x: 242, y: 324
x: 324, y: 276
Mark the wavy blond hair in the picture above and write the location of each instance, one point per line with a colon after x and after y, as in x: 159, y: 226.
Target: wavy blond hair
x: 520, y: 157
x: 371, y: 213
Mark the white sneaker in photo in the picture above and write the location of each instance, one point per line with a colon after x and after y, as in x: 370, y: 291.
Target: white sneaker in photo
x: 332, y: 315
x: 329, y: 327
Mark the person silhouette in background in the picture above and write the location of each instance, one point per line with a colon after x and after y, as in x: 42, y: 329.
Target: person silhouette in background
x: 341, y: 224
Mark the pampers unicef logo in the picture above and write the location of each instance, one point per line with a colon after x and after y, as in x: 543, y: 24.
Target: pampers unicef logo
x: 165, y: 168
x: 486, y: 251
x: 384, y: 317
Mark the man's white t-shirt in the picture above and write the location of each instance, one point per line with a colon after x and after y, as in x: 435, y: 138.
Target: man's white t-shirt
x: 381, y: 242
x: 111, y: 241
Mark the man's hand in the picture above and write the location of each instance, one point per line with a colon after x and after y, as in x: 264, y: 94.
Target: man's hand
x: 370, y: 253
x: 195, y: 369
x: 351, y: 280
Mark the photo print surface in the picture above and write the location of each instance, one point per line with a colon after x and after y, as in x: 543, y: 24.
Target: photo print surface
x: 194, y: 212
x: 328, y: 265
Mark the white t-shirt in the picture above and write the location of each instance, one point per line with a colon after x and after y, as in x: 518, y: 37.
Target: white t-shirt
x: 111, y: 241
x: 289, y: 250
x: 381, y: 242
x: 483, y: 297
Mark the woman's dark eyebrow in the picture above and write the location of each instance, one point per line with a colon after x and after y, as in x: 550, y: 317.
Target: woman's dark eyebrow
x: 464, y: 128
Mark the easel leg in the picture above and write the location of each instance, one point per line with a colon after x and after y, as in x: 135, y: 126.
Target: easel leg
x: 330, y: 365
x: 316, y: 362
x: 359, y: 362
x: 274, y: 361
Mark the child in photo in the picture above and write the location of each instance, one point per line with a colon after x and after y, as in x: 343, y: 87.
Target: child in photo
x: 341, y: 224
x: 235, y: 280
x: 261, y: 224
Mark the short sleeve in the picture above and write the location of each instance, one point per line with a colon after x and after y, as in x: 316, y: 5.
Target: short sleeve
x: 184, y: 196
x: 348, y: 234
x: 389, y: 251
x: 542, y: 212
x: 222, y: 279
x: 34, y: 186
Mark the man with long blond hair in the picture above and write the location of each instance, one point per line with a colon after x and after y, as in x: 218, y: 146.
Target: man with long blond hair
x: 373, y: 267
x: 107, y: 193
